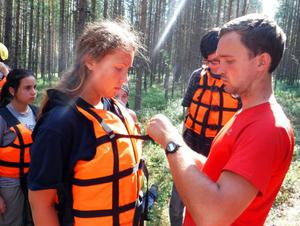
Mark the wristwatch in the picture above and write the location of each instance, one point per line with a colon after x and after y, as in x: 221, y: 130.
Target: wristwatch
x: 172, y: 147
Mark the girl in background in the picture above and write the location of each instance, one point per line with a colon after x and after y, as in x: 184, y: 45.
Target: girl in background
x: 17, y: 120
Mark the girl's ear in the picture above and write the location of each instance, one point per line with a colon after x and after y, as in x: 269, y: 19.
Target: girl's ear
x: 89, y: 62
x: 11, y: 90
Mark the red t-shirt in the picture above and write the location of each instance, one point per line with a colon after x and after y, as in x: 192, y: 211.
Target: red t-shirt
x: 257, y: 144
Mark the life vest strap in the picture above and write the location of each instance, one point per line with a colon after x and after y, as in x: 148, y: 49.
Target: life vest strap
x: 13, y: 164
x: 209, y: 126
x: 19, y: 146
x: 101, y: 213
x: 107, y: 138
x: 215, y: 107
x: 106, y: 179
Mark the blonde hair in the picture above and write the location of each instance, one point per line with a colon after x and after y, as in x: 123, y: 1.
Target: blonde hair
x: 97, y: 40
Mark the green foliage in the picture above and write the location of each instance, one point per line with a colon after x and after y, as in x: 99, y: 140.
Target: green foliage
x: 289, y: 98
x: 42, y: 86
x: 290, y: 185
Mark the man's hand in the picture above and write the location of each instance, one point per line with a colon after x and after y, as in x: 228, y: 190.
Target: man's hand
x: 161, y: 130
x: 2, y: 206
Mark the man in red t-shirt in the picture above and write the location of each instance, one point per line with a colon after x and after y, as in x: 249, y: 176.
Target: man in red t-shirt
x: 249, y: 158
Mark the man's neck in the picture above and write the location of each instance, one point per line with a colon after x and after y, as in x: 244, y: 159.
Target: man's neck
x: 259, y: 93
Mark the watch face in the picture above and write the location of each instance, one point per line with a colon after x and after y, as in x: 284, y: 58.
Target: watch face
x: 172, y: 147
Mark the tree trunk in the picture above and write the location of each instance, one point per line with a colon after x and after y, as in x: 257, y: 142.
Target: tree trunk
x: 105, y: 7
x: 115, y: 9
x: 36, y: 56
x: 219, y: 12
x: 93, y: 9
x: 30, y: 50
x: 62, y: 39
x: 24, y: 47
x: 81, y: 17
x: 17, y: 35
x: 8, y: 27
x: 245, y: 7
x: 43, y: 44
x: 140, y: 66
x: 229, y: 9
x: 237, y: 8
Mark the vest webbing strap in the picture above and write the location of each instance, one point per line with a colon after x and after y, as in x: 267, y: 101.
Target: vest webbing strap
x: 22, y: 151
x: 222, y: 109
x: 12, y: 164
x: 216, y: 107
x: 19, y: 146
x: 200, y: 97
x: 102, y: 213
x: 209, y: 126
x: 106, y: 179
x: 106, y: 138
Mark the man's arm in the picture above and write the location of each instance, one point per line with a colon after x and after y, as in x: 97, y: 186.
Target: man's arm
x: 210, y: 203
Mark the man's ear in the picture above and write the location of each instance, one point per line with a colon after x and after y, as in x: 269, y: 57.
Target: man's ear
x: 89, y: 62
x: 264, y: 62
x: 11, y: 90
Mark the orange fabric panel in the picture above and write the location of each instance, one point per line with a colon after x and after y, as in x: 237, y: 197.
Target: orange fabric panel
x: 12, y: 154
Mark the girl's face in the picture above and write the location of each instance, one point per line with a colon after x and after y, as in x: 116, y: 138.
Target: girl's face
x: 26, y: 93
x: 109, y: 74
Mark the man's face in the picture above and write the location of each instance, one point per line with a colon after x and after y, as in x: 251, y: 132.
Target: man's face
x: 213, y: 62
x: 237, y: 66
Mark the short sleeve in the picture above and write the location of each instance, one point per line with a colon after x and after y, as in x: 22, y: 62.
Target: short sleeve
x: 59, y: 141
x: 48, y: 158
x: 51, y: 149
x: 254, y: 154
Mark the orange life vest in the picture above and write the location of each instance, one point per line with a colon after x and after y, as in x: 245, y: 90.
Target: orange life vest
x: 106, y: 188
x: 15, y: 157
x: 211, y: 106
x: 2, y: 82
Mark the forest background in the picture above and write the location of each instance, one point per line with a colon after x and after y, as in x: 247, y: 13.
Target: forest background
x: 41, y: 34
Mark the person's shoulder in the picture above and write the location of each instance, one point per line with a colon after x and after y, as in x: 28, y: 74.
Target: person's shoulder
x: 267, y: 118
x: 60, y: 118
x: 197, y: 72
